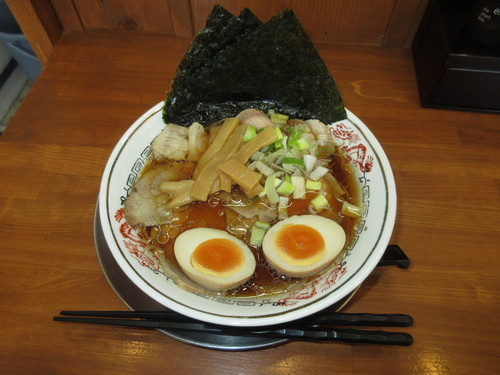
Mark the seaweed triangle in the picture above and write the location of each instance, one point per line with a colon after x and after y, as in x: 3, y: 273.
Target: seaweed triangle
x: 272, y: 65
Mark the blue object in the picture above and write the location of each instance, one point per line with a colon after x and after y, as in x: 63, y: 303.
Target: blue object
x: 17, y: 44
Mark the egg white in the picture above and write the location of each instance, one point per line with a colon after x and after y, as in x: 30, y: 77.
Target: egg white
x: 188, y: 241
x: 333, y: 235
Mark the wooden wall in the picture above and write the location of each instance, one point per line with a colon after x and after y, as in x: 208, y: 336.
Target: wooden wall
x: 375, y: 22
x: 385, y: 23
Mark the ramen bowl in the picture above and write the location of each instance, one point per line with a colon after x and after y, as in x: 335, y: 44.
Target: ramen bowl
x: 364, y: 250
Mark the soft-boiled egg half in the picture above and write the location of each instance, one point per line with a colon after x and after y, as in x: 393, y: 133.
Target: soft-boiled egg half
x: 303, y: 245
x: 214, y: 259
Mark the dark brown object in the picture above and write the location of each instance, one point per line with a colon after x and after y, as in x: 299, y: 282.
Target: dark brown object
x: 454, y: 70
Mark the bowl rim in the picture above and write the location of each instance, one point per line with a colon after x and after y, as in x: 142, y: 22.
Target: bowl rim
x: 308, y: 308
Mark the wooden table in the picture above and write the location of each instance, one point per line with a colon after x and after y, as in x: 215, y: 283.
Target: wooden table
x: 446, y: 165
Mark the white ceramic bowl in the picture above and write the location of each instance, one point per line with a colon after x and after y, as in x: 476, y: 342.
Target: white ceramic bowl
x: 364, y: 252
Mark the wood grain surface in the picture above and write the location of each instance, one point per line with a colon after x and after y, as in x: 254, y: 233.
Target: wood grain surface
x: 96, y: 84
x: 382, y: 23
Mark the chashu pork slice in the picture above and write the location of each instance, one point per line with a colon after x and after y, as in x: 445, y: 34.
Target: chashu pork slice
x: 180, y: 143
x: 171, y: 143
x: 147, y: 203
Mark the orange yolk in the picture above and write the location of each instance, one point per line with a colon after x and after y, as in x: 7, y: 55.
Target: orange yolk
x: 299, y: 244
x: 218, y: 256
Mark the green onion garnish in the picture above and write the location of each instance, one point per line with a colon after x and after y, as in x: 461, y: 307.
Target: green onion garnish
x: 294, y: 161
x: 249, y: 134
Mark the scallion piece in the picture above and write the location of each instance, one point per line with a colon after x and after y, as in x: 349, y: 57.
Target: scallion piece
x: 294, y: 161
x: 283, y: 208
x: 274, y: 156
x: 319, y: 202
x: 309, y: 162
x: 250, y: 134
x: 286, y: 188
x: 278, y: 118
x: 277, y: 183
x: 258, y: 155
x: 263, y: 168
x: 262, y: 224
x: 302, y: 144
x: 318, y: 173
x: 294, y: 136
x: 278, y: 133
x: 257, y: 235
x: 313, y: 185
x: 299, y: 183
x: 281, y: 143
x: 351, y: 210
x: 270, y: 188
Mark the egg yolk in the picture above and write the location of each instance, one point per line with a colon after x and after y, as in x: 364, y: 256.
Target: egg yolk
x: 218, y: 257
x: 299, y: 244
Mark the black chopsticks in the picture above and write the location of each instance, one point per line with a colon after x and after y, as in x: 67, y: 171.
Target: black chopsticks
x: 315, y: 328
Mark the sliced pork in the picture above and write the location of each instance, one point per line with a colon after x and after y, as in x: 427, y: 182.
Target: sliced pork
x: 147, y: 204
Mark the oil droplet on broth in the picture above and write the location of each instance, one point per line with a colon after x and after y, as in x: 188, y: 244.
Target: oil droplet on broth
x: 173, y: 232
x: 162, y: 238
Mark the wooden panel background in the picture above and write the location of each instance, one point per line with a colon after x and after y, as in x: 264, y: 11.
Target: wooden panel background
x: 151, y: 15
x: 39, y: 23
x: 381, y: 23
x: 172, y: 17
x: 385, y: 23
x: 339, y: 21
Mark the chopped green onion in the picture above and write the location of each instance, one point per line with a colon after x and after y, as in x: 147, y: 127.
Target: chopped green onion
x: 257, y: 235
x: 286, y: 188
x: 270, y: 188
x: 277, y: 183
x: 300, y: 187
x: 294, y: 161
x: 281, y: 143
x: 349, y: 209
x: 258, y: 155
x: 318, y: 173
x: 283, y: 208
x: 253, y: 165
x: 294, y: 137
x: 274, y: 156
x: 249, y: 134
x: 302, y: 144
x: 313, y: 185
x: 278, y: 133
x: 278, y: 118
x: 262, y: 224
x: 263, y: 168
x: 288, y: 168
x: 293, y: 153
x: 309, y: 162
x: 319, y: 202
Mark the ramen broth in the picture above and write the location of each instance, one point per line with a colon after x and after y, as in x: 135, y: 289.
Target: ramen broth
x: 216, y: 213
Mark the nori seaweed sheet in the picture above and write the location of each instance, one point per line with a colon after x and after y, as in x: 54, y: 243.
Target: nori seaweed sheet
x: 272, y: 65
x: 221, y: 30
